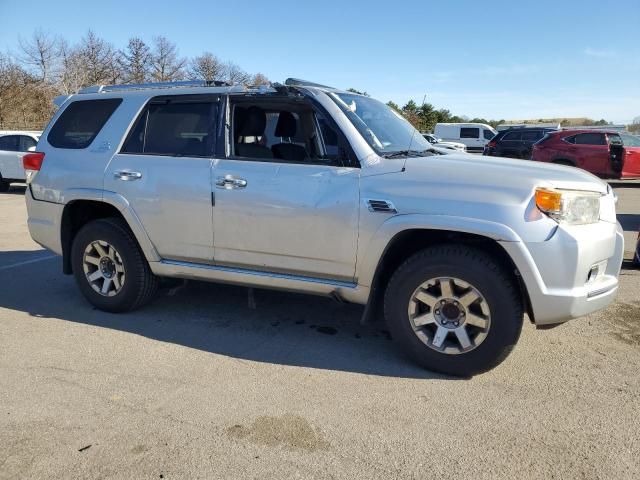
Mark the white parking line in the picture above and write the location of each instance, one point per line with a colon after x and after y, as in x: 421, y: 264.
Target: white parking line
x: 26, y: 262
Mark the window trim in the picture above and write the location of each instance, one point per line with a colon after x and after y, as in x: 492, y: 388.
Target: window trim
x: 119, y: 101
x: 164, y: 99
x: 353, y: 161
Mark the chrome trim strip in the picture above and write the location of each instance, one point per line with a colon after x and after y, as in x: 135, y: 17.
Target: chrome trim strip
x: 257, y: 273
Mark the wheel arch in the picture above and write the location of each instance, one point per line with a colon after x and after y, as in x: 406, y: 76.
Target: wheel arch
x: 405, y: 242
x: 564, y: 161
x: 78, y: 211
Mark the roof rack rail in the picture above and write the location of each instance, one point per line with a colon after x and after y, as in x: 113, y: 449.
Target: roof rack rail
x: 143, y: 86
x: 297, y: 82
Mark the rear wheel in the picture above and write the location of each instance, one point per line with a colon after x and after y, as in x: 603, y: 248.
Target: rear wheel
x: 4, y: 185
x: 454, y: 310
x: 109, y: 267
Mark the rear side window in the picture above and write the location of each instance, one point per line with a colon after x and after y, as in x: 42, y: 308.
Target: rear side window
x: 512, y: 136
x: 590, y: 139
x: 178, y: 127
x: 81, y: 122
x: 26, y: 143
x: 466, y: 132
x: 532, y: 135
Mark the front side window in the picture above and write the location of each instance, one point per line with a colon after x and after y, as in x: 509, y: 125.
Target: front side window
x: 286, y: 132
x: 81, y: 122
x: 629, y: 140
x: 467, y: 132
x: 590, y: 139
x: 182, y: 127
x: 615, y: 139
x: 10, y: 143
x: 488, y: 134
x: 385, y: 130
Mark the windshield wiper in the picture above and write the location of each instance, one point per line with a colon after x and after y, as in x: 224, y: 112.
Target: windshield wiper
x: 403, y: 153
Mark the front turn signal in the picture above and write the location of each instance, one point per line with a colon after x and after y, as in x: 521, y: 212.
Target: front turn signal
x: 549, y: 201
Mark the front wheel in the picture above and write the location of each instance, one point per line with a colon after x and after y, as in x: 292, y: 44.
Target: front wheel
x: 109, y: 267
x: 454, y: 310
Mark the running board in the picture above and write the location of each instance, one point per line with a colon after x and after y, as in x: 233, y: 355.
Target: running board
x: 350, y: 292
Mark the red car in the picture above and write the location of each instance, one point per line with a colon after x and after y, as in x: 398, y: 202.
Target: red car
x: 607, y: 154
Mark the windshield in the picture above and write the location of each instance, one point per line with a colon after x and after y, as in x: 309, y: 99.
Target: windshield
x: 384, y: 129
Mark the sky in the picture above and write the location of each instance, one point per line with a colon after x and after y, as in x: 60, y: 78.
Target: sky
x: 493, y: 59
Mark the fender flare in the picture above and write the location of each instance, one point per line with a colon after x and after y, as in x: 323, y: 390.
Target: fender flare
x: 384, y: 236
x: 124, y: 207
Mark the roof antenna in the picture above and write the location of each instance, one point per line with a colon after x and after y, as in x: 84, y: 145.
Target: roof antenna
x: 424, y: 100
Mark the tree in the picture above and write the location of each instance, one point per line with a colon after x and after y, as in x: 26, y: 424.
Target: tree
x: 235, y: 75
x: 135, y: 61
x: 260, y: 79
x: 41, y: 52
x: 393, y: 105
x: 166, y: 64
x: 98, y: 59
x: 206, y: 67
x: 353, y: 90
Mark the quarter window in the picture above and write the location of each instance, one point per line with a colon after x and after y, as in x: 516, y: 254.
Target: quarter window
x: 488, y: 134
x: 26, y: 143
x: 466, y: 132
x: 81, y: 122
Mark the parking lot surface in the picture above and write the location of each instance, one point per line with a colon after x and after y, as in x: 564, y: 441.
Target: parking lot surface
x: 208, y: 382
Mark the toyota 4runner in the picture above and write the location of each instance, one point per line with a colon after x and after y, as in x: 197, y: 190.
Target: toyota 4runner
x: 307, y: 188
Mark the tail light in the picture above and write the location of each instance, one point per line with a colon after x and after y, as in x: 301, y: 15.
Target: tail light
x: 492, y: 144
x: 32, y: 163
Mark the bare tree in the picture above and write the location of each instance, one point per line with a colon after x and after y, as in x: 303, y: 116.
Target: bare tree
x: 260, y: 79
x: 234, y: 74
x: 135, y: 61
x: 206, y: 67
x: 40, y: 52
x: 166, y: 64
x: 99, y: 60
x: 73, y: 75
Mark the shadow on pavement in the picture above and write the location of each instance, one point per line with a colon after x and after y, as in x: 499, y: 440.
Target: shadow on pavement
x: 283, y: 328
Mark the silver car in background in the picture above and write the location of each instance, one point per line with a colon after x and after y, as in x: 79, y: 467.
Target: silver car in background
x: 13, y: 146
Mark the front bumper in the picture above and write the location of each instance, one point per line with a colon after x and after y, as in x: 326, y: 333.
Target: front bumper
x: 556, y: 271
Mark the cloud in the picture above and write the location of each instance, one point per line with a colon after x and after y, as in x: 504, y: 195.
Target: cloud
x: 600, y: 53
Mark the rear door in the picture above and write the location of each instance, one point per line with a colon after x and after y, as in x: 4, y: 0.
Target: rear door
x: 510, y: 144
x: 592, y: 153
x: 11, y: 157
x: 529, y: 137
x: 163, y: 170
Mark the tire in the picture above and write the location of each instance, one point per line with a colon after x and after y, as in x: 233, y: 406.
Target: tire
x: 475, y: 272
x: 567, y: 163
x: 130, y: 269
x: 4, y: 185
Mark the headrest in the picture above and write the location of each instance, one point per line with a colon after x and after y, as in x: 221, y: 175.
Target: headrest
x: 286, y: 126
x: 253, y: 123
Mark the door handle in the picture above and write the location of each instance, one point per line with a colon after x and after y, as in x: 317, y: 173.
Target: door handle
x: 127, y: 175
x: 229, y: 182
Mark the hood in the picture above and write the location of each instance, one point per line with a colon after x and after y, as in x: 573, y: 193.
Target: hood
x: 484, y: 171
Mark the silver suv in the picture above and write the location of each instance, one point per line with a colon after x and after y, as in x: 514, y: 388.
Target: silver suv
x: 307, y: 188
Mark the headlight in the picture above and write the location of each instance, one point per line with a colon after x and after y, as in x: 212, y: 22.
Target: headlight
x: 569, y: 206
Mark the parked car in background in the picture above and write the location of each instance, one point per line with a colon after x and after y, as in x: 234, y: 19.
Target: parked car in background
x: 438, y: 142
x: 515, y: 142
x: 600, y: 152
x: 13, y: 146
x: 236, y: 185
x: 636, y: 256
x: 473, y: 135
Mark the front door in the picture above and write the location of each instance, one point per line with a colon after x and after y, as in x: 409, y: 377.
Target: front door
x: 163, y: 170
x: 286, y: 198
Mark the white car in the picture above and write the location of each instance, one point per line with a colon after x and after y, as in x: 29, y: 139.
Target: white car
x: 474, y: 135
x: 13, y: 146
x: 438, y: 142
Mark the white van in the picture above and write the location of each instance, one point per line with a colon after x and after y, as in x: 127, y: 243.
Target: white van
x: 13, y: 146
x: 474, y: 135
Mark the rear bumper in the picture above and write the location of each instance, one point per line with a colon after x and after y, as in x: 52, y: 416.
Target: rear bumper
x: 44, y: 222
x: 556, y: 271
